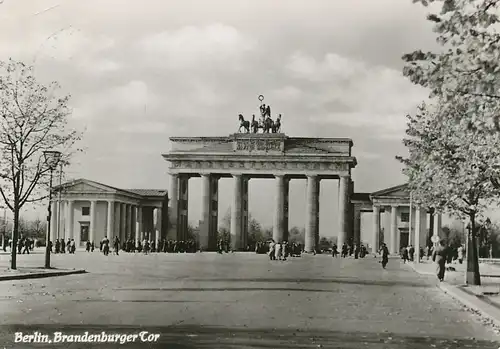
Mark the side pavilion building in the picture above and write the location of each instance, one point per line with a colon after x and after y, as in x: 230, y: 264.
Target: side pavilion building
x: 86, y: 210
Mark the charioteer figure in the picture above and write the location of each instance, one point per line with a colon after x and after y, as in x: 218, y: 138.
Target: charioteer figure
x: 266, y: 123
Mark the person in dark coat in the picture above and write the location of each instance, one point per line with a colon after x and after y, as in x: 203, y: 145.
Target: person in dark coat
x: 385, y: 255
x: 405, y: 254
x: 439, y: 256
x: 335, y: 252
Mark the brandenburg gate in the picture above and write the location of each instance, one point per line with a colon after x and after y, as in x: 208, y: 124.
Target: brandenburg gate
x: 243, y: 156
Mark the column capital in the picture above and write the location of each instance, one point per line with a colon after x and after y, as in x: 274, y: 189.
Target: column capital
x: 344, y: 176
x: 206, y: 175
x: 312, y: 176
x: 394, y: 205
x: 281, y: 176
x: 236, y: 175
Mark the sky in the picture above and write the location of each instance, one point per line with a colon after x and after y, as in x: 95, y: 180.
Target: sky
x: 140, y: 72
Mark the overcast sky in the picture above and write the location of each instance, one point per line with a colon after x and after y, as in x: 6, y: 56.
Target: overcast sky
x: 143, y: 71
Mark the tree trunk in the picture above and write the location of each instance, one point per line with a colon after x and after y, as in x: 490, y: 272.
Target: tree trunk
x: 472, y: 277
x: 15, y: 236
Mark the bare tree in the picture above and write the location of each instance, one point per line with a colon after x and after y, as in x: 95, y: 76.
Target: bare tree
x: 33, y: 119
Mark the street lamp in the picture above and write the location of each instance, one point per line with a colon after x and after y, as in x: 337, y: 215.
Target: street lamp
x: 52, y: 158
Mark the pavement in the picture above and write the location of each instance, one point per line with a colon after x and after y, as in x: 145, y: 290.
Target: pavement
x: 31, y: 268
x: 483, y: 299
x: 239, y: 300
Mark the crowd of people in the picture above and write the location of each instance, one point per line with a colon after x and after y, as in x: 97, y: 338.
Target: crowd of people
x: 356, y: 250
x: 453, y: 254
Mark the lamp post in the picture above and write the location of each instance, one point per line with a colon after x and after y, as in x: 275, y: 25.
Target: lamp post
x: 52, y: 158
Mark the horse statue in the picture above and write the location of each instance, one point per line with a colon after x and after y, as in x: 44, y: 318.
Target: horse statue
x: 244, y: 123
x: 268, y: 125
x: 277, y: 125
x: 255, y: 124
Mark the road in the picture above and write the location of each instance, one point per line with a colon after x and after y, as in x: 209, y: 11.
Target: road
x: 238, y: 300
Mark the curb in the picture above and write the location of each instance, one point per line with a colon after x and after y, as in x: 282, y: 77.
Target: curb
x: 473, y: 302
x: 41, y: 275
x: 469, y: 300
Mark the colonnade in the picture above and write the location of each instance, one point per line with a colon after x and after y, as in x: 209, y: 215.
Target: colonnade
x: 178, y: 194
x: 122, y: 219
x: 418, y: 227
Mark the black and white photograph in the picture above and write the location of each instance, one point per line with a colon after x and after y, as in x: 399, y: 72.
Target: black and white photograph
x: 278, y: 174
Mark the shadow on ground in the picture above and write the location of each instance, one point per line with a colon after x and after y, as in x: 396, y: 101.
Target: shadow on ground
x: 347, y: 281
x: 191, y: 337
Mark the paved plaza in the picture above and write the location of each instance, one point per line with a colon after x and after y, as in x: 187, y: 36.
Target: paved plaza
x: 240, y: 300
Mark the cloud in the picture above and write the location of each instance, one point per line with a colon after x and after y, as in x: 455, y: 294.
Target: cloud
x: 194, y: 47
x: 354, y: 93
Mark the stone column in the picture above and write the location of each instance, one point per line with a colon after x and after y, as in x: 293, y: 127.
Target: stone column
x: 173, y: 197
x: 394, y: 226
x: 117, y: 219
x: 183, y: 205
x: 423, y: 227
x: 430, y: 231
x: 53, y: 221
x: 286, y: 189
x: 138, y: 225
x: 357, y: 224
x: 343, y: 210
x: 128, y: 223
x: 437, y: 226
x: 417, y: 217
x: 205, y: 212
x: 236, y: 213
x: 244, y: 212
x: 311, y: 214
x: 110, y: 220
x: 93, y: 220
x: 158, y: 227
x: 279, y: 208
x: 70, y: 221
x: 376, y: 229
x: 316, y: 232
x: 214, y: 213
x: 123, y: 222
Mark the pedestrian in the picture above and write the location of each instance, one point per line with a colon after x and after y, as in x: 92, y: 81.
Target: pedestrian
x: 356, y: 251
x: 271, y: 252
x: 26, y: 246
x: 105, y: 245
x: 92, y: 246
x: 411, y: 253
x: 116, y: 245
x: 335, y: 252
x: 73, y: 246
x: 385, y: 255
x: 63, y: 246
x: 439, y: 255
x: 277, y: 251
x: 405, y: 254
x: 87, y: 246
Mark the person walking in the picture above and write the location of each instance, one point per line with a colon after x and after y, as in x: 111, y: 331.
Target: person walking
x: 385, y: 255
x: 105, y: 245
x: 116, y: 245
x: 439, y: 256
x: 405, y: 254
